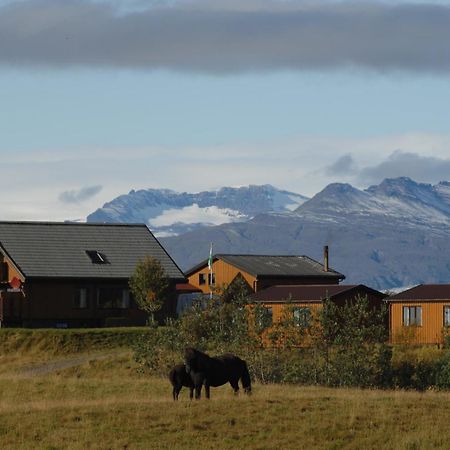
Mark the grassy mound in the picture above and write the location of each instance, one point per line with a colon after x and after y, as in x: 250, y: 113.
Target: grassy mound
x: 62, y: 342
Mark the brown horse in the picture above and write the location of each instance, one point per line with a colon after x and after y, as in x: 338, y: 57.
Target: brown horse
x: 216, y: 371
x: 179, y: 377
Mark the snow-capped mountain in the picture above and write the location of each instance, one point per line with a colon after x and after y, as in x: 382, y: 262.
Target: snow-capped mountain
x: 170, y: 213
x: 399, y: 198
x: 390, y: 235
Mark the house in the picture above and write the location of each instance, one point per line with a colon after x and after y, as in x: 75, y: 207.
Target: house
x: 304, y: 300
x: 75, y: 274
x: 261, y: 271
x: 420, y: 315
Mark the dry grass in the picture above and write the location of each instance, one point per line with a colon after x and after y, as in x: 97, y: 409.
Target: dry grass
x: 107, y: 404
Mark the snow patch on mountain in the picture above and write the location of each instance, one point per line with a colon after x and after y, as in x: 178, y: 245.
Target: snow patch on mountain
x: 170, y: 213
x: 211, y: 215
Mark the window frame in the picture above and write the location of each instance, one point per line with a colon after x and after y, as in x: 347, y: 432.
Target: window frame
x: 201, y: 279
x: 304, y: 318
x: 446, y: 316
x: 266, y: 315
x: 123, y: 304
x: 211, y: 279
x: 409, y: 320
x: 77, y: 299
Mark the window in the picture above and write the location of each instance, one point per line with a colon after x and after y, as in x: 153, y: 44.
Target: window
x: 113, y: 297
x: 412, y: 316
x: 302, y: 317
x: 264, y: 317
x: 97, y: 257
x: 80, y: 300
x: 201, y: 278
x: 4, y: 269
x: 211, y: 279
x: 446, y: 316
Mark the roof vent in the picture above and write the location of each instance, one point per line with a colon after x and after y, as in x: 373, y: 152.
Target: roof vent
x: 97, y: 257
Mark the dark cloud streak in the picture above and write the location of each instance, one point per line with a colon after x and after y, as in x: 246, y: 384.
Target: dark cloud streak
x: 81, y: 195
x: 405, y: 164
x: 344, y: 165
x: 223, y: 37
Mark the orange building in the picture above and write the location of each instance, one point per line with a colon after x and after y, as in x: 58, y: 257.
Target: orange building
x: 420, y: 315
x: 305, y: 300
x: 261, y: 271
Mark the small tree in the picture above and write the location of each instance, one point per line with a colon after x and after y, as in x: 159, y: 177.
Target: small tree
x: 149, y: 285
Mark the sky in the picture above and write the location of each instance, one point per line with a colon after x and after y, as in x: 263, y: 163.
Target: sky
x: 101, y: 97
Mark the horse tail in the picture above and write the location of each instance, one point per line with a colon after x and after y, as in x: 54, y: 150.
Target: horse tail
x: 173, y: 377
x: 245, y: 378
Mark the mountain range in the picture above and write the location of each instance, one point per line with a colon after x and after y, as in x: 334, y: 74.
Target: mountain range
x: 387, y: 236
x: 170, y: 213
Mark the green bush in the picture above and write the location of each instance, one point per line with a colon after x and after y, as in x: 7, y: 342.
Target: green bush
x: 342, y: 346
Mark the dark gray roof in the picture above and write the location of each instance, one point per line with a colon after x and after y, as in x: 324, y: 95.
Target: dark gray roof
x: 50, y: 249
x: 275, y: 266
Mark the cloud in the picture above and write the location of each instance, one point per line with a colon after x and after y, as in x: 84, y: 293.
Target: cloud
x: 81, y: 195
x: 342, y: 166
x: 420, y: 168
x: 225, y: 36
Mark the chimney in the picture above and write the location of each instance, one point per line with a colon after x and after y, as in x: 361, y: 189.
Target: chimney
x: 325, y: 258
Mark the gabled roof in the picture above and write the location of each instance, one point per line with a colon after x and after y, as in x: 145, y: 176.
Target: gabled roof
x: 273, y: 266
x: 59, y: 250
x: 311, y: 293
x: 424, y: 292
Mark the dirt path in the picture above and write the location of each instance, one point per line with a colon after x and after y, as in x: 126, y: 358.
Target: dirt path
x: 66, y: 363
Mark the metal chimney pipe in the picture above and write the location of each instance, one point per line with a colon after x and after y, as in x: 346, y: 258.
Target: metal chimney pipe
x: 325, y: 258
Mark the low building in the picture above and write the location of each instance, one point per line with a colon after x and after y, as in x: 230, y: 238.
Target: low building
x: 305, y: 300
x: 261, y: 271
x: 72, y: 274
x: 420, y: 315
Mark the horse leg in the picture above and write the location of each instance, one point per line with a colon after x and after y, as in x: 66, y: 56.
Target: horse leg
x: 191, y: 392
x: 198, y: 391
x: 207, y: 390
x: 235, y: 386
x: 176, y: 391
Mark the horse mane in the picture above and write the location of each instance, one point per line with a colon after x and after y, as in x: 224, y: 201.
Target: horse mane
x: 192, y: 354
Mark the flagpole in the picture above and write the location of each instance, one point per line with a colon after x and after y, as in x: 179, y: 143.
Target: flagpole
x: 210, y: 264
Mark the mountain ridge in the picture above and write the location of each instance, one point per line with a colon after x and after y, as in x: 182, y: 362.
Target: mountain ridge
x: 393, y: 234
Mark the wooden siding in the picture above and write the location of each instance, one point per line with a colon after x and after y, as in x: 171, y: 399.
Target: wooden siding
x: 12, y: 272
x: 431, y: 331
x: 279, y: 308
x: 52, y: 302
x: 224, y: 275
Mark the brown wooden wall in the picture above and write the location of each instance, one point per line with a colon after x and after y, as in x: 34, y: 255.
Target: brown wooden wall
x: 279, y: 308
x: 225, y: 274
x: 51, y: 302
x: 12, y: 272
x: 431, y: 331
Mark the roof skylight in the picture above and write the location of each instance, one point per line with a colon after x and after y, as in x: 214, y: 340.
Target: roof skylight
x: 97, y: 257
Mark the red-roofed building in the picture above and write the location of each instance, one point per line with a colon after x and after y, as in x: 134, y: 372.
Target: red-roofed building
x: 305, y: 299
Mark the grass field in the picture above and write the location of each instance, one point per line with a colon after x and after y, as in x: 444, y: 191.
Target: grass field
x: 106, y: 403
